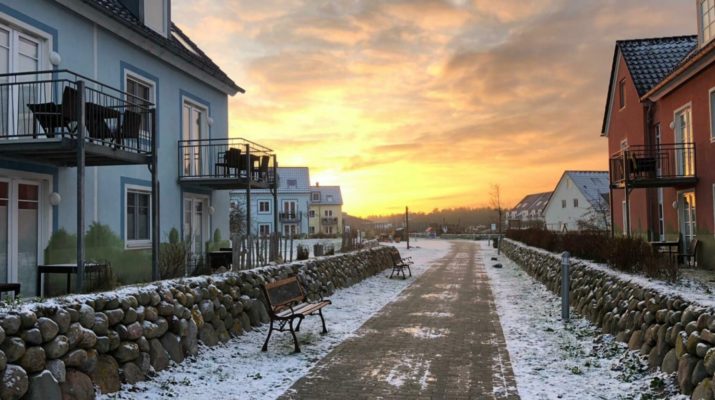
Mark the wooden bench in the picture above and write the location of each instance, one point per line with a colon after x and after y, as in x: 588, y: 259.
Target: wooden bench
x: 10, y: 287
x: 286, y: 303
x: 399, y: 265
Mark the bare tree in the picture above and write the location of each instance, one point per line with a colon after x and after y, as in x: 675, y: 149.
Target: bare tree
x: 495, y: 203
x: 237, y: 220
x: 598, y: 216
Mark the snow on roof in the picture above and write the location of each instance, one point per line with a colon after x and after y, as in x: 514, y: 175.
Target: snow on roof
x: 535, y: 202
x: 593, y: 184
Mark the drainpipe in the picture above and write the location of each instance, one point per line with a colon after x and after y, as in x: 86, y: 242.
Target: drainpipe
x: 650, y: 201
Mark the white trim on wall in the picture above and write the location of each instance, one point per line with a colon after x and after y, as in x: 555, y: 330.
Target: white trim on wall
x: 139, y: 243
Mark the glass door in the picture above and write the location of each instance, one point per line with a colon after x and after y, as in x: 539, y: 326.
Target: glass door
x: 195, y: 224
x: 688, y: 226
x: 684, y: 155
x: 27, y: 233
x: 289, y: 209
x: 193, y: 119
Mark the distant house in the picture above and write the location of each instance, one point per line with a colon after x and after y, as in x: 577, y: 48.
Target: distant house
x: 293, y: 202
x: 579, y: 201
x: 326, y: 210
x: 660, y: 124
x: 529, y: 212
x: 122, y: 76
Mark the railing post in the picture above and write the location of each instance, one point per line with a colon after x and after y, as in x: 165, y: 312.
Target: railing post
x: 81, y: 134
x: 565, y: 285
x: 155, y: 229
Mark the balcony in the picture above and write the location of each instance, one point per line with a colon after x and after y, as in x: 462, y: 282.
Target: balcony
x: 223, y: 164
x: 329, y: 221
x: 44, y: 116
x: 665, y: 165
x: 290, y: 217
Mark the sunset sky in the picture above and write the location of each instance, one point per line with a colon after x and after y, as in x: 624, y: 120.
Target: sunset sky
x: 425, y: 103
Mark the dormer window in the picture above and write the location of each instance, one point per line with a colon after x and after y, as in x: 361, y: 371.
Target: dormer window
x: 156, y: 15
x: 706, y: 12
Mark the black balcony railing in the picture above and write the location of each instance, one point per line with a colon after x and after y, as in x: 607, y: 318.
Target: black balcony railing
x: 226, y: 163
x: 661, y: 165
x: 290, y: 216
x: 47, y: 106
x: 329, y: 221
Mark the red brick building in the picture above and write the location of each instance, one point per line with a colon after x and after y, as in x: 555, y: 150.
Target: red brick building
x: 660, y: 125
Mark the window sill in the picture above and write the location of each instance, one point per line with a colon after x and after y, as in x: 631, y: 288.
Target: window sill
x: 137, y: 245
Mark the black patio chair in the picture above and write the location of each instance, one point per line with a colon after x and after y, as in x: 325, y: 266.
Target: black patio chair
x: 130, y: 127
x: 48, y: 116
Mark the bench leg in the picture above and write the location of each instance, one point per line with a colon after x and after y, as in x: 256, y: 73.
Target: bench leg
x: 297, y: 328
x: 270, y: 330
x: 409, y: 270
x: 295, y: 338
x: 320, y: 312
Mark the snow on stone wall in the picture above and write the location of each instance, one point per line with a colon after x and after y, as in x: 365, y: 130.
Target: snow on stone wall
x: 676, y: 335
x: 65, y: 347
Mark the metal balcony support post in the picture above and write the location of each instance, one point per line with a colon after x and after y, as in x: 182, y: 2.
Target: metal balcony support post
x: 81, y: 134
x: 275, y: 194
x: 249, y: 181
x: 627, y: 172
x: 155, y: 231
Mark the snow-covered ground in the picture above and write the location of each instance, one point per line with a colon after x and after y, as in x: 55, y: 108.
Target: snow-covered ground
x: 239, y: 370
x: 553, y: 360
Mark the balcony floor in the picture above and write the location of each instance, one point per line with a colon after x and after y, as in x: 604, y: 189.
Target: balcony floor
x: 221, y: 183
x: 62, y: 152
x: 677, y: 182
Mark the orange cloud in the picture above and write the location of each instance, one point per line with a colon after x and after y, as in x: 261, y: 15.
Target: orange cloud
x: 425, y: 102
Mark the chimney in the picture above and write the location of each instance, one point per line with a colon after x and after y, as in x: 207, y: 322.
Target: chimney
x: 317, y: 184
x: 155, y: 14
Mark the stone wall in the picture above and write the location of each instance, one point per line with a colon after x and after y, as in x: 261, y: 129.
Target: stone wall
x: 63, y: 348
x: 674, y: 334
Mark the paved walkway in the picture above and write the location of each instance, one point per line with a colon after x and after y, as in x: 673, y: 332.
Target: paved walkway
x: 441, y: 339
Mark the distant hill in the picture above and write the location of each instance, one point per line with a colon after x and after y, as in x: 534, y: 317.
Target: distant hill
x: 457, y: 220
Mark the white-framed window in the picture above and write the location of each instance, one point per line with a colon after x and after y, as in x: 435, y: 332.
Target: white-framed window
x: 137, y: 224
x: 575, y: 203
x: 706, y: 12
x: 311, y: 214
x: 264, y: 207
x: 312, y: 230
x: 622, y: 93
x: 264, y: 229
x: 290, y: 229
x: 563, y: 203
x: 711, y: 97
x: 315, y: 196
x: 329, y: 198
x: 328, y: 213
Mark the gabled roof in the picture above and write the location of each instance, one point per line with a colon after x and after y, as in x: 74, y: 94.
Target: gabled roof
x: 649, y: 61
x: 329, y: 195
x: 536, y: 202
x: 592, y: 184
x: 187, y: 50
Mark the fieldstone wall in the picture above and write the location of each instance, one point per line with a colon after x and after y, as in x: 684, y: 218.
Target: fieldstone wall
x: 674, y: 334
x: 65, y: 347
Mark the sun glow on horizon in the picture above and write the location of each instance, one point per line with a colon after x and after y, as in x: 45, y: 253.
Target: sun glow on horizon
x: 423, y: 103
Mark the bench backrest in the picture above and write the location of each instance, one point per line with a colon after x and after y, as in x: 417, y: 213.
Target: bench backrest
x: 396, y: 258
x: 281, y: 293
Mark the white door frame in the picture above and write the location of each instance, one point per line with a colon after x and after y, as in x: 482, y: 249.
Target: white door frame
x: 205, y: 234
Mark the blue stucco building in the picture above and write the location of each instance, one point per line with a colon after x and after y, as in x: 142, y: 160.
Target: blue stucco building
x: 138, y: 69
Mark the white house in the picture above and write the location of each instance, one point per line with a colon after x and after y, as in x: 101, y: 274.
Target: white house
x: 580, y: 200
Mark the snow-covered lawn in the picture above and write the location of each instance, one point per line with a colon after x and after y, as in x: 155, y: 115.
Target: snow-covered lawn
x: 239, y: 370
x: 553, y: 360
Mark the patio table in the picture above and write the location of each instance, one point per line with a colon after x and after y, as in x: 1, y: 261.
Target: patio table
x: 67, y: 269
x: 669, y: 246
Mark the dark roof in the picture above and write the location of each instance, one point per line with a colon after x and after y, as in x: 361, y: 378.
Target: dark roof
x: 651, y: 60
x: 188, y: 51
x: 536, y: 202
